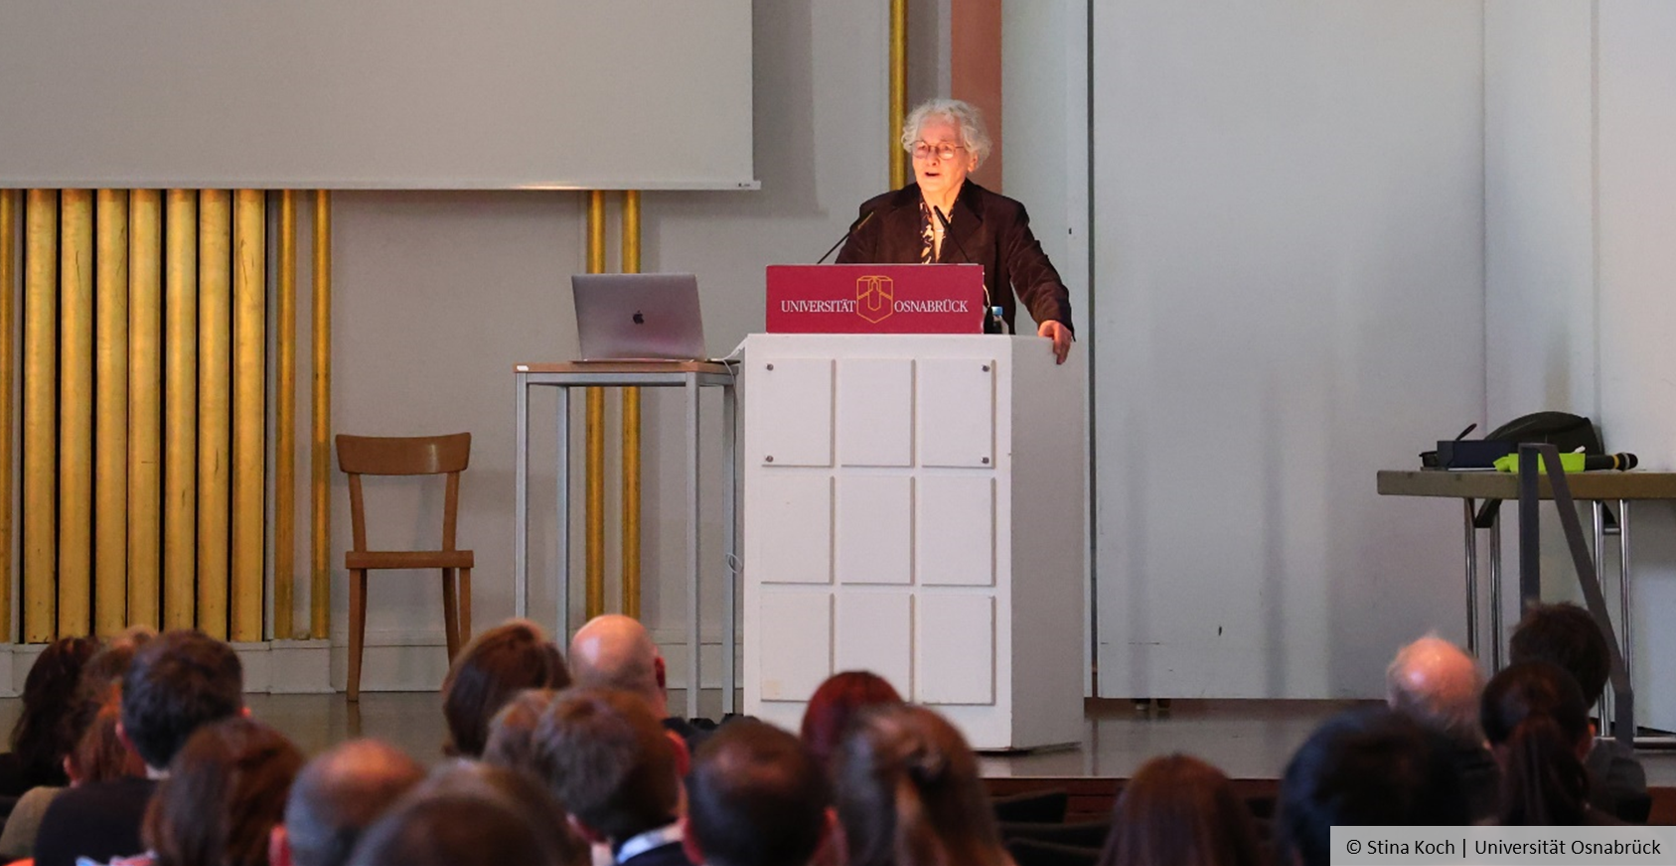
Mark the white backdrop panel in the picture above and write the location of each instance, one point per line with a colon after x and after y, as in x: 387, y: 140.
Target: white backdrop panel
x: 1288, y: 269
x: 426, y: 94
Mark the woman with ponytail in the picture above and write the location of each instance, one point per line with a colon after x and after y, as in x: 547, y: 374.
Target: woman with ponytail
x: 1538, y: 727
x: 908, y: 794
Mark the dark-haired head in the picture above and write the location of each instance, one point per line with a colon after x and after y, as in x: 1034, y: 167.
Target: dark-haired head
x: 1536, y: 720
x: 1179, y: 809
x: 1566, y: 635
x: 455, y: 829
x: 533, y: 802
x: 224, y: 794
x: 607, y: 758
x: 835, y: 703
x: 494, y: 666
x: 512, y: 731
x: 42, y: 738
x: 755, y: 797
x: 909, y: 794
x: 1373, y: 767
x: 178, y: 682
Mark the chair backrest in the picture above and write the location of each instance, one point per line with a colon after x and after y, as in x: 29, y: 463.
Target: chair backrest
x: 404, y: 455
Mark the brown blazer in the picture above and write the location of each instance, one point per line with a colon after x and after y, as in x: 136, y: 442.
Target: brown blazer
x: 990, y: 229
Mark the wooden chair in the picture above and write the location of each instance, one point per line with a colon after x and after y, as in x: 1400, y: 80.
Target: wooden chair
x: 419, y: 455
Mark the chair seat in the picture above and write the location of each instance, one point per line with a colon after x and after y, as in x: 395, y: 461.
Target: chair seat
x: 407, y: 559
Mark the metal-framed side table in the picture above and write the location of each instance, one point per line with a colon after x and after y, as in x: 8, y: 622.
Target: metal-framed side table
x: 693, y: 377
x: 1597, y: 488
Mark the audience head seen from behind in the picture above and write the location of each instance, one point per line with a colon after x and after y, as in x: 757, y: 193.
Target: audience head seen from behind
x: 1568, y: 636
x: 337, y: 796
x: 1179, y: 809
x: 512, y: 731
x: 1437, y: 684
x: 178, y: 682
x: 908, y: 793
x: 100, y: 755
x: 755, y: 797
x: 535, y: 804
x: 606, y: 757
x: 1565, y: 635
x: 1538, y: 727
x: 102, y: 676
x: 455, y: 829
x: 835, y: 703
x: 493, y: 667
x: 42, y: 736
x: 1375, y: 768
x: 615, y: 652
x: 224, y: 794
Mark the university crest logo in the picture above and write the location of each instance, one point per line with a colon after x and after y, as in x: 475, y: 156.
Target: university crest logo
x: 875, y: 298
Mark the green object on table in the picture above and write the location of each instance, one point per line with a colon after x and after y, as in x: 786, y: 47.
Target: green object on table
x: 1568, y: 463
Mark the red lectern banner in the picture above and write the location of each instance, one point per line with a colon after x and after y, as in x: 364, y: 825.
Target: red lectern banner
x: 875, y: 299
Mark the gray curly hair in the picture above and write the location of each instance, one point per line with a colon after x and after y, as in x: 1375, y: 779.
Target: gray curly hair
x: 965, y: 115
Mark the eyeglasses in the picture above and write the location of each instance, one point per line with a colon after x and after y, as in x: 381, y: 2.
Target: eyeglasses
x: 945, y: 151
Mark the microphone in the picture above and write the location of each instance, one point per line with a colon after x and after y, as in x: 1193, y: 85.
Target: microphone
x: 861, y: 221
x: 1609, y: 461
x: 991, y: 322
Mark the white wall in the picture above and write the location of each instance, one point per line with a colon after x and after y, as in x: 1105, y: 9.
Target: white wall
x: 1578, y: 191
x: 439, y: 294
x: 1044, y: 91
x: 1288, y: 270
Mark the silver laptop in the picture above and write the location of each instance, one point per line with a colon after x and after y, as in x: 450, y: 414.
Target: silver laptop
x: 626, y: 317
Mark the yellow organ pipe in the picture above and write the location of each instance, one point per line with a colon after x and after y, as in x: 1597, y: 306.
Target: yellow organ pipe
x: 249, y: 302
x: 40, y: 416
x: 285, y: 426
x: 145, y: 278
x: 8, y: 408
x: 898, y: 91
x: 110, y: 524
x: 180, y: 449
x: 631, y: 430
x: 75, y: 419
x: 319, y: 598
x: 594, y: 472
x: 214, y: 407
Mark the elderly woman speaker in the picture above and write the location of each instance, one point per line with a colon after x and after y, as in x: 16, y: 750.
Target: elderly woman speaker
x: 944, y: 217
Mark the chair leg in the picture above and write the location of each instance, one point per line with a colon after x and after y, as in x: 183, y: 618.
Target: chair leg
x: 357, y: 628
x: 464, y: 624
x: 450, y: 614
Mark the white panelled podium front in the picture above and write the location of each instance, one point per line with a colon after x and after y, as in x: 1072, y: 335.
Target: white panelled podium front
x: 913, y: 506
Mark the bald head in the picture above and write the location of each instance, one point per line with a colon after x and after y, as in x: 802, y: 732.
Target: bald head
x: 339, y: 794
x: 615, y: 652
x: 1437, y: 684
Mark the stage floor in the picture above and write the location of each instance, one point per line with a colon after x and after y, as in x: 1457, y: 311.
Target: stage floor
x: 1248, y: 739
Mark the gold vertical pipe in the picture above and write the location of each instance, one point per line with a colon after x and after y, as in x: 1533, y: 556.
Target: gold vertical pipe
x: 631, y: 429
x: 110, y: 383
x: 8, y: 407
x: 214, y: 406
x: 319, y: 596
x: 898, y: 91
x: 285, y: 425
x: 180, y: 425
x: 40, y: 416
x: 250, y: 273
x: 75, y: 412
x: 145, y: 388
x: 595, y: 433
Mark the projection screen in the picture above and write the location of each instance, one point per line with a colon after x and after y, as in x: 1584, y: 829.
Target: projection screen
x: 394, y: 94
